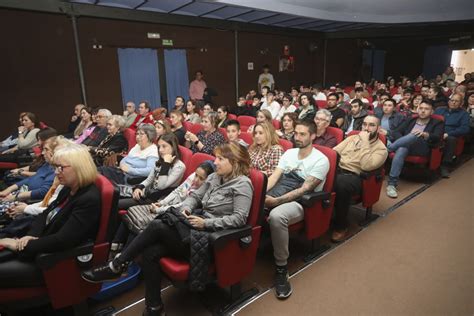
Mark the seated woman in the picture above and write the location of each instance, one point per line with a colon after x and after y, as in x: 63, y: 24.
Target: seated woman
x: 162, y: 127
x: 177, y: 118
x: 128, y: 229
x: 114, y: 142
x: 26, y: 140
x: 85, y: 123
x: 85, y: 113
x: 222, y: 116
x: 263, y: 116
x: 163, y: 178
x: 288, y: 124
x: 208, y: 138
x: 139, y: 162
x: 36, y: 186
x: 192, y: 112
x: 12, y: 139
x: 207, y: 108
x: 286, y: 107
x: 70, y: 221
x: 14, y: 175
x: 226, y: 197
x: 265, y: 152
x: 308, y: 108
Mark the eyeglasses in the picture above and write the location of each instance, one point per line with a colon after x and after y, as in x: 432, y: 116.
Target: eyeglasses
x: 59, y: 168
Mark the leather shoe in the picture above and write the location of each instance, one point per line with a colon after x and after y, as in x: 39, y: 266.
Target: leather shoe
x: 339, y: 236
x: 154, y: 311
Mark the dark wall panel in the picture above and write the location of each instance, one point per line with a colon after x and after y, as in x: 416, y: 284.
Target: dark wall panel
x: 38, y: 68
x: 343, y: 61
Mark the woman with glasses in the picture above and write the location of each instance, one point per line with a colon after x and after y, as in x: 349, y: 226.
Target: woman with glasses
x: 71, y: 220
x: 286, y: 107
x: 139, y: 162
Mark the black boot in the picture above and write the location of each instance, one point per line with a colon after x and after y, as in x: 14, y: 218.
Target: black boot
x: 154, y: 311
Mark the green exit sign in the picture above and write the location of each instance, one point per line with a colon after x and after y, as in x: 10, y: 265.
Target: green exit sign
x: 167, y: 42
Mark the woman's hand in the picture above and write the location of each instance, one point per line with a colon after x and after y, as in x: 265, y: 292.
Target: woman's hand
x: 9, y: 243
x: 21, y: 129
x: 22, y: 242
x: 168, y: 158
x: 137, y: 194
x: 4, y: 193
x: 9, y: 198
x: 196, y: 221
x: 17, y: 210
x: 191, y: 137
x: 124, y: 167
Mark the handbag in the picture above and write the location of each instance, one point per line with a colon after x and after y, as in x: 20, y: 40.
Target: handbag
x: 138, y: 217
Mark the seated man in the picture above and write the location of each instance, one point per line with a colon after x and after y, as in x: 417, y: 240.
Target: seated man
x: 359, y: 94
x: 390, y: 119
x: 300, y: 170
x: 456, y: 124
x: 144, y: 116
x: 355, y: 117
x: 75, y: 120
x: 323, y: 119
x: 129, y: 115
x: 414, y: 137
x: 233, y: 133
x: 271, y: 105
x: 338, y: 114
x: 358, y: 153
x: 100, y: 131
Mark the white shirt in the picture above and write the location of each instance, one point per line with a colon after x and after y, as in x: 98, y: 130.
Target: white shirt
x: 315, y: 165
x: 284, y: 110
x: 266, y: 80
x: 274, y: 108
x: 320, y: 96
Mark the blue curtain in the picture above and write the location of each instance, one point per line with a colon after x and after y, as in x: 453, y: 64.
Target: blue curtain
x: 177, y: 80
x: 437, y: 58
x: 375, y: 60
x: 139, y: 76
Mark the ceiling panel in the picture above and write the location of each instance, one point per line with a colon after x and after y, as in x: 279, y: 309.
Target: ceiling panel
x: 227, y: 12
x: 253, y: 16
x: 128, y: 4
x: 163, y: 6
x: 198, y: 8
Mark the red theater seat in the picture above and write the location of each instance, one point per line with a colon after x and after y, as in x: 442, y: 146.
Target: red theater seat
x: 246, y: 137
x: 246, y: 120
x: 336, y: 132
x: 62, y: 272
x: 130, y: 136
x: 286, y: 144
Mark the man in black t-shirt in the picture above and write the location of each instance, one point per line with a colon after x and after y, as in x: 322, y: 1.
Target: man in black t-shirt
x: 338, y: 114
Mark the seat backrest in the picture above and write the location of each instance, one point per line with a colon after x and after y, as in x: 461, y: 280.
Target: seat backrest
x: 195, y: 161
x: 109, y: 199
x: 246, y: 120
x: 129, y: 135
x: 259, y: 183
x: 231, y: 116
x: 331, y: 175
x: 286, y: 144
x: 321, y: 104
x: 186, y: 155
x: 187, y: 125
x: 381, y: 137
x: 246, y: 137
x: 194, y: 128
x: 276, y: 124
x: 336, y: 132
x: 223, y: 131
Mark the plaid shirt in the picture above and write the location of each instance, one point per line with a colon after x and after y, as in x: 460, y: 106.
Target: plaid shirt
x: 266, y: 160
x: 210, y: 142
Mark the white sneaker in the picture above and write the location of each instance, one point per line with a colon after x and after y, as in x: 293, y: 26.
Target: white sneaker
x: 392, y: 191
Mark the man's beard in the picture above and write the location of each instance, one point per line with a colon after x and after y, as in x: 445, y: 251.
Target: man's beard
x: 300, y: 145
x: 373, y: 135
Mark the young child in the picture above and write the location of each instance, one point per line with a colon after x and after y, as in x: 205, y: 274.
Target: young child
x: 233, y: 133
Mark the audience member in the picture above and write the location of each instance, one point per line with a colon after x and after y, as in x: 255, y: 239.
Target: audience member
x: 222, y: 117
x: 390, y: 119
x: 179, y: 104
x: 197, y: 86
x: 75, y: 120
x: 287, y: 107
x: 415, y: 137
x: 359, y: 94
x: 355, y: 117
x: 99, y: 133
x: 113, y: 143
x: 307, y: 109
x: 358, y: 153
x: 271, y: 105
x: 300, y: 170
x: 86, y: 122
x: 159, y: 114
x: 338, y: 114
x: 287, y: 129
x: 323, y: 138
x: 208, y: 138
x: 192, y: 112
x: 176, y: 119
x: 318, y: 94
x: 437, y: 97
x: 233, y: 133
x: 265, y: 151
x: 263, y: 116
x: 129, y: 115
x: 144, y: 116
x: 162, y: 127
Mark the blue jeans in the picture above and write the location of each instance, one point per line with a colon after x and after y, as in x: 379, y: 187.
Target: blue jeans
x: 402, y: 148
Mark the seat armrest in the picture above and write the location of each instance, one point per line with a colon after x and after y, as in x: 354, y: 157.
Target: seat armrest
x: 374, y: 173
x: 220, y: 238
x: 309, y: 199
x: 48, y: 260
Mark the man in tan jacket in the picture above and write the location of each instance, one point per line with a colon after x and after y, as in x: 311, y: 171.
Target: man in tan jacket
x: 361, y: 152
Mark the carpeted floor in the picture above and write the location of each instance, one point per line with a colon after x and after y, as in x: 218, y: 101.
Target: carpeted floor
x: 418, y: 260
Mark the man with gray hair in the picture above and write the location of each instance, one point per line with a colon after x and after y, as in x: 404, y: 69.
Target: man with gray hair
x: 129, y: 115
x: 322, y: 119
x: 100, y: 131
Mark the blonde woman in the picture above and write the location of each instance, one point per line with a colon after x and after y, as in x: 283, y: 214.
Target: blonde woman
x: 265, y: 152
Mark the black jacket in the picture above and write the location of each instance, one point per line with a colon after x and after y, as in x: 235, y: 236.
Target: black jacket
x: 434, y: 128
x: 357, y: 126
x: 97, y: 135
x: 394, y: 121
x: 115, y: 144
x: 76, y: 223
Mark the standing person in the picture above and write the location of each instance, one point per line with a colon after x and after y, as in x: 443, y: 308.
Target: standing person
x: 197, y: 86
x: 299, y: 171
x: 266, y: 79
x: 144, y: 116
x: 129, y: 115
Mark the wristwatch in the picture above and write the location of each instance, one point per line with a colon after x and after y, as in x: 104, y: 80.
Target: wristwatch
x: 196, y: 142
